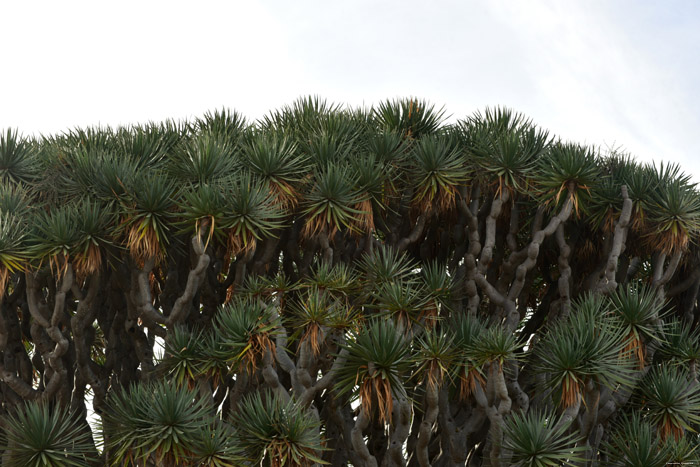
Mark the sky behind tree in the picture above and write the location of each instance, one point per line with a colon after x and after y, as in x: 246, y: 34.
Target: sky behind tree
x: 615, y: 73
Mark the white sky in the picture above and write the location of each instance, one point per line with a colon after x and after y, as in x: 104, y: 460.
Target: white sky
x: 606, y: 72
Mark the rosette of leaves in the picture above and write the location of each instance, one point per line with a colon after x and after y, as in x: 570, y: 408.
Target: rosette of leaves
x: 378, y: 357
x: 78, y: 164
x: 12, y: 247
x: 275, y: 159
x: 506, y: 145
x: 311, y: 315
x: 250, y: 214
x: 330, y: 204
x: 440, y: 289
x: 640, y: 312
x: 412, y: 118
x: 641, y: 181
x: 96, y: 224
x: 72, y: 163
x: 388, y: 147
x: 225, y: 124
x: 337, y: 279
x: 302, y: 118
x: 567, y: 170
x: 147, y: 212
x: 277, y: 287
x: 330, y: 148
x: 15, y: 199
x: 75, y: 171
x: 202, y: 158
x: 374, y: 181
x: 54, y: 236
x: 468, y: 330
x: 681, y: 343
x: 218, y: 445
x: 495, y: 346
x: 437, y: 167
x: 246, y: 333
x: 112, y: 177
x: 385, y: 264
x: 203, y: 211
x: 89, y: 138
x: 148, y: 146
x: 672, y: 401
x: 182, y: 356
x: 388, y: 150
x: 539, y: 439
x: 606, y: 197
x: 634, y: 442
x: 278, y: 433
x: 154, y: 422
x: 347, y: 128
x: 683, y: 451
x: 435, y: 357
x: 404, y: 301
x: 673, y: 215
x: 212, y: 362
x: 589, y: 345
x: 18, y: 158
x: 35, y: 435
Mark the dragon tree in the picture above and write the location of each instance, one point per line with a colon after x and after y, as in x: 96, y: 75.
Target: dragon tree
x: 331, y: 285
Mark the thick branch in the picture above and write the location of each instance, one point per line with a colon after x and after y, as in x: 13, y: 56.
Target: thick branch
x: 426, y: 426
x: 55, y: 358
x: 564, y: 271
x: 607, y: 283
x: 194, y: 279
x: 415, y: 234
x: 358, y: 442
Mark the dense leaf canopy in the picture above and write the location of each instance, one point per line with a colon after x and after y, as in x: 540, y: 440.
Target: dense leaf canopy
x: 331, y: 285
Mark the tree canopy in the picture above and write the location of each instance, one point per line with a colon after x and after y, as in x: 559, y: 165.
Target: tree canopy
x: 344, y: 286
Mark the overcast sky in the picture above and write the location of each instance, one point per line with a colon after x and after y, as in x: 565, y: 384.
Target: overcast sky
x: 621, y: 73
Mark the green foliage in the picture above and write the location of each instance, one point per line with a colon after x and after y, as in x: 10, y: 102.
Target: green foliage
x: 589, y: 345
x: 12, y: 236
x: 374, y: 369
x: 468, y: 331
x: 404, y: 301
x: 635, y: 443
x: 244, y: 330
x: 17, y: 158
x: 568, y: 169
x: 435, y: 357
x: 640, y: 312
x: 335, y: 284
x: 39, y: 436
x: 274, y: 158
x: 332, y: 203
x: 539, y: 439
x: 250, y: 214
x: 205, y: 158
x: 412, y: 118
x: 495, y: 345
x: 674, y: 214
x: 218, y: 445
x: 681, y: 343
x: 506, y: 145
x: 385, y: 265
x: 182, y: 356
x: 278, y: 432
x: 438, y: 167
x: 54, y: 233
x: 158, y: 421
x: 672, y: 400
